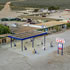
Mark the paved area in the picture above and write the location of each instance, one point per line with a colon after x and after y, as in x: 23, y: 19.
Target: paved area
x: 12, y: 59
x: 60, y: 15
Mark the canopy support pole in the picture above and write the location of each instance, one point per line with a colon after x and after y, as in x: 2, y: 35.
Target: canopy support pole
x: 21, y: 45
x: 11, y: 42
x: 44, y: 42
x: 32, y: 42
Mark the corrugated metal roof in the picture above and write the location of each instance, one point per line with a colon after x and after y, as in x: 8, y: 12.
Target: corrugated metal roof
x: 22, y: 29
x: 27, y: 35
x: 51, y: 23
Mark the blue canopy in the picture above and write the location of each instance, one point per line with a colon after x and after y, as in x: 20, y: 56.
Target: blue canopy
x: 28, y: 37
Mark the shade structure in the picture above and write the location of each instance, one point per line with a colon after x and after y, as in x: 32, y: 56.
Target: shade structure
x: 27, y: 35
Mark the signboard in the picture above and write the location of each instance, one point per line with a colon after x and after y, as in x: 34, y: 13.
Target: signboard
x: 60, y: 46
x: 46, y: 29
x: 60, y: 40
x: 43, y: 26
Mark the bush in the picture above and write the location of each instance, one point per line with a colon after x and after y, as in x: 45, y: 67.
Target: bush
x: 57, y: 28
x: 68, y: 25
x: 36, y: 10
x: 53, y: 8
x: 4, y: 29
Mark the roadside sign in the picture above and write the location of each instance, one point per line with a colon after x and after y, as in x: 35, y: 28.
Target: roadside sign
x: 43, y: 26
x: 60, y: 40
x: 60, y: 46
x: 46, y: 29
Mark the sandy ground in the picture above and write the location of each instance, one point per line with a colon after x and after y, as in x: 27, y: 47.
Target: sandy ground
x: 12, y: 59
x: 54, y: 61
x: 60, y: 15
x: 6, y: 12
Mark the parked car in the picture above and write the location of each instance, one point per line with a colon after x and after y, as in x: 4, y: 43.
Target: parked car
x: 4, y: 19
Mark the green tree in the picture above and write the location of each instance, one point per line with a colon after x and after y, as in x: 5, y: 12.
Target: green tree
x: 36, y: 10
x: 68, y: 25
x: 53, y: 8
x: 4, y: 29
x: 57, y: 28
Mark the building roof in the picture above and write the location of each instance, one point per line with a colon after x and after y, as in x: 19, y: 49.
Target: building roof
x: 22, y: 29
x: 37, y: 17
x: 51, y: 23
x: 3, y: 35
x: 27, y: 35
